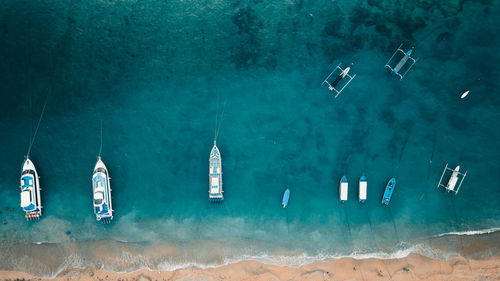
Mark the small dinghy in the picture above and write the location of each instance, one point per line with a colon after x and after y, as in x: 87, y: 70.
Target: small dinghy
x: 464, y: 94
x: 343, y: 188
x: 286, y: 196
x: 31, y: 201
x: 389, y: 189
x: 103, y: 208
x: 362, y: 189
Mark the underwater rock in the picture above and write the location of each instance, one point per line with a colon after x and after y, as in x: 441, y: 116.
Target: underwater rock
x: 247, y: 52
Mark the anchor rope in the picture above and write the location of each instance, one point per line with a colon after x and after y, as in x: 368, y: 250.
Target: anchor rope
x: 100, y: 146
x: 38, y: 124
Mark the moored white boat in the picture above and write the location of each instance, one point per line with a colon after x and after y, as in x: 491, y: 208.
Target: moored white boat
x: 343, y: 188
x: 215, y: 191
x: 363, y: 186
x: 31, y: 201
x: 453, y: 179
x: 103, y: 207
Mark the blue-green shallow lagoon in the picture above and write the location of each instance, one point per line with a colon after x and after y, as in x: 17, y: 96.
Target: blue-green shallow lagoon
x: 156, y: 73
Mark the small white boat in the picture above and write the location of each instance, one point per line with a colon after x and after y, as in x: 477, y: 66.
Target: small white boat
x: 103, y: 207
x: 215, y: 192
x: 453, y: 179
x: 343, y: 188
x: 333, y: 84
x: 31, y: 201
x: 363, y: 186
x: 464, y: 94
x: 452, y: 182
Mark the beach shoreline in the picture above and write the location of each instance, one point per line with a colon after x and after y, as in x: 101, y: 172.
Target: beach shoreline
x: 412, y: 267
x: 466, y: 254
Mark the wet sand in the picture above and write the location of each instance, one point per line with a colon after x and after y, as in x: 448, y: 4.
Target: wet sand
x: 413, y: 267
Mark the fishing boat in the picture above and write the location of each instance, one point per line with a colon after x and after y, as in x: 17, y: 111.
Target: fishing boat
x: 363, y: 184
x: 333, y: 85
x: 397, y: 69
x: 215, y: 192
x: 343, y: 188
x: 389, y: 189
x: 452, y: 182
x: 103, y: 208
x: 286, y: 196
x: 464, y: 94
x: 31, y: 201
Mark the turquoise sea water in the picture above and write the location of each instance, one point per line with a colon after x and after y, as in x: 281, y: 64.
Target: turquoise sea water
x: 157, y: 72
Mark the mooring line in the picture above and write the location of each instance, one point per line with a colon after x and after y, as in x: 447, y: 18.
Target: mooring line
x: 38, y: 124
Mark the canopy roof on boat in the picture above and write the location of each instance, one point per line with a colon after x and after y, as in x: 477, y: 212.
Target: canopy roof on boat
x: 362, y: 190
x: 25, y: 198
x: 214, y: 185
x: 343, y: 191
x: 27, y: 181
x: 98, y: 195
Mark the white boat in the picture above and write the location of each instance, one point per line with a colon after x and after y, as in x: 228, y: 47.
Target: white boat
x: 215, y: 192
x: 452, y: 182
x: 103, y: 207
x: 363, y: 186
x: 464, y: 94
x: 31, y: 201
x: 343, y: 188
x: 453, y: 179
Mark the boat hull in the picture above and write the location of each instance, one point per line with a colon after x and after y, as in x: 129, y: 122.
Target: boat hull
x: 453, y: 180
x: 389, y: 189
x: 286, y: 196
x: 343, y: 189
x: 215, y: 191
x: 31, y: 201
x: 103, y: 207
x: 363, y: 189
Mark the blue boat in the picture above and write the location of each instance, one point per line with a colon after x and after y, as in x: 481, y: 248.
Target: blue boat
x: 286, y: 196
x: 388, y: 191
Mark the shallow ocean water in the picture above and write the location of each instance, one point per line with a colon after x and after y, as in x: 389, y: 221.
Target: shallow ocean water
x: 156, y: 73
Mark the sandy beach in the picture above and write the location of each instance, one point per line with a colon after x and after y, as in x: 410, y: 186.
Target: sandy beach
x: 413, y: 267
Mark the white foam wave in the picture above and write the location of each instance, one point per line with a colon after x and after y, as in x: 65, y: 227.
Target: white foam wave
x: 470, y: 232
x: 296, y: 260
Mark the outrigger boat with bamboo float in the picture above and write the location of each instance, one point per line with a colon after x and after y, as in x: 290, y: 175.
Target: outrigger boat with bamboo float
x: 332, y: 85
x: 215, y: 192
x: 103, y: 207
x: 397, y: 68
x: 363, y: 186
x: 343, y: 189
x: 450, y: 187
x: 31, y: 201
